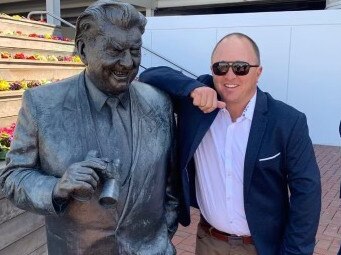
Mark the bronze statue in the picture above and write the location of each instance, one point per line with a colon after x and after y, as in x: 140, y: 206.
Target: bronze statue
x: 95, y: 153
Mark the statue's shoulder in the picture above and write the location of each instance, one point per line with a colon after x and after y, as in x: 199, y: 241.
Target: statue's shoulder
x: 151, y: 94
x: 54, y: 91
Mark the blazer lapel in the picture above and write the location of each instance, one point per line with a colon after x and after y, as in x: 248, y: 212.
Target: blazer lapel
x: 88, y: 126
x: 76, y: 107
x: 257, y: 130
x: 204, y: 122
x: 139, y: 111
x: 136, y: 128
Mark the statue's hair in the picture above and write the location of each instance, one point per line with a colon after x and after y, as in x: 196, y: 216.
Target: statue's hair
x: 91, y: 22
x: 240, y: 35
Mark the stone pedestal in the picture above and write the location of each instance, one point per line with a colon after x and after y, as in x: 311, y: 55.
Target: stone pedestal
x: 333, y: 4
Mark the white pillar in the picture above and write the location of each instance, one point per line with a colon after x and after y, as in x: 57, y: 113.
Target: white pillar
x: 333, y: 4
x: 149, y: 12
x: 53, y: 6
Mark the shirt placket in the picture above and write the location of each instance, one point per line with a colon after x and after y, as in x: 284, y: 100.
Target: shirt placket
x: 228, y: 171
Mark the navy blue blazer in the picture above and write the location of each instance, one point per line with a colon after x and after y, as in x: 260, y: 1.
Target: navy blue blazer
x: 278, y: 225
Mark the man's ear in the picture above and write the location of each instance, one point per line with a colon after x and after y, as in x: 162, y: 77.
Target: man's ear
x: 259, y: 71
x: 80, y: 45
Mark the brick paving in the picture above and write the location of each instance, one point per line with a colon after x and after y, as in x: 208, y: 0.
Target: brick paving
x: 329, y: 231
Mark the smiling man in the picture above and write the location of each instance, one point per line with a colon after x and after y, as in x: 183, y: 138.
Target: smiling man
x: 94, y: 153
x: 247, y: 161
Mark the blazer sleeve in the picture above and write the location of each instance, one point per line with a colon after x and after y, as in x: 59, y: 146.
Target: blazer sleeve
x: 173, y: 82
x: 305, y: 192
x: 21, y: 180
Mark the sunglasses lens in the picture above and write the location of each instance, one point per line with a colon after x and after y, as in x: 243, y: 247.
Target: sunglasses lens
x: 240, y: 68
x: 220, y: 68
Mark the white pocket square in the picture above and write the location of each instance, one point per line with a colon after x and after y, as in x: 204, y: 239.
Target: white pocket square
x: 272, y: 157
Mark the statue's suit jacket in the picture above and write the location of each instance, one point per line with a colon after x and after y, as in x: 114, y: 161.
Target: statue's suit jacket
x: 279, y: 155
x: 54, y: 130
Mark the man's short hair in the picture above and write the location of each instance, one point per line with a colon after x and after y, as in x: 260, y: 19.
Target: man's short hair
x: 240, y: 35
x: 91, y: 22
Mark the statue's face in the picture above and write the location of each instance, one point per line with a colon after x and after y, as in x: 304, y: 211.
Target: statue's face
x: 113, y: 58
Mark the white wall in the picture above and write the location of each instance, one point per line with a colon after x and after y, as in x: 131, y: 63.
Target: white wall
x: 300, y: 53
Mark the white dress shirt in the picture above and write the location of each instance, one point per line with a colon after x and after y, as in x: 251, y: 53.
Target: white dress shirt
x: 219, y: 162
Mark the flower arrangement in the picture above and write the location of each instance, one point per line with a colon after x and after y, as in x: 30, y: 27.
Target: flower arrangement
x: 4, y: 85
x: 38, y: 36
x: 50, y: 58
x: 5, y: 54
x: 23, y: 84
x: 6, y: 137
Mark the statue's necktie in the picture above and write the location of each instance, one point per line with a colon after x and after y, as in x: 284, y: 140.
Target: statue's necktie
x: 113, y: 104
x: 118, y: 141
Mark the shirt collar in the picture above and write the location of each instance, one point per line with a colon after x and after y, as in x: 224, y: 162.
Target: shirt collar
x: 250, y: 107
x: 99, y: 98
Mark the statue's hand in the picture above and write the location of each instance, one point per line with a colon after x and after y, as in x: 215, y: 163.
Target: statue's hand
x: 111, y: 171
x: 111, y: 187
x: 206, y: 99
x: 80, y: 179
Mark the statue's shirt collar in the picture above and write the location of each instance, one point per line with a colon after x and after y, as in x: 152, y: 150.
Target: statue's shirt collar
x: 99, y: 98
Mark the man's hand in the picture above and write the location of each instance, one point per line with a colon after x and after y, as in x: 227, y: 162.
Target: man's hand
x: 206, y: 99
x: 80, y: 179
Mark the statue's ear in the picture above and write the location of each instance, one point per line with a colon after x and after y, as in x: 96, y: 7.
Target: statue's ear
x: 80, y: 44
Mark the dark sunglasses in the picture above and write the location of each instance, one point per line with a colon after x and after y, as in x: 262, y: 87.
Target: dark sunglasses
x: 238, y: 67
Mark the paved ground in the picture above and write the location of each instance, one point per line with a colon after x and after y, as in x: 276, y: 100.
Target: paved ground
x: 329, y: 231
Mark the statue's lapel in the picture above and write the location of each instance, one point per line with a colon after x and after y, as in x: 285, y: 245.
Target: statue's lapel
x: 77, y: 111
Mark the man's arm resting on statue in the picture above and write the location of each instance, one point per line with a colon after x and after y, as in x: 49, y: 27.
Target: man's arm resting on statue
x: 180, y: 86
x: 169, y: 80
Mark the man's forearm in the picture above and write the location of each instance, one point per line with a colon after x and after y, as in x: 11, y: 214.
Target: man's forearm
x: 169, y: 80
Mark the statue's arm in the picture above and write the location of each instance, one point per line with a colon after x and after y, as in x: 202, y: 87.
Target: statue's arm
x: 173, y: 185
x: 22, y: 181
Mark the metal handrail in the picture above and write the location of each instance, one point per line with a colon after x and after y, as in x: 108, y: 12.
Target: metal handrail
x: 52, y: 15
x: 169, y: 61
x: 143, y: 47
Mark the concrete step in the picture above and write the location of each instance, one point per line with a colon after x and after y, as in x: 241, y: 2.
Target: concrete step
x: 10, y: 103
x: 7, y: 121
x: 28, y: 26
x: 17, y: 69
x: 35, y: 44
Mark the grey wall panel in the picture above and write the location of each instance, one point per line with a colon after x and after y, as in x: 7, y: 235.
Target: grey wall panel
x: 315, y: 79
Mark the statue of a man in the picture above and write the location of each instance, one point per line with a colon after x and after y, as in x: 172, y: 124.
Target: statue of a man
x: 96, y: 132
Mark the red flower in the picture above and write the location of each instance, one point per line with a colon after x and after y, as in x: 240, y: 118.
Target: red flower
x: 8, y: 130
x: 19, y: 56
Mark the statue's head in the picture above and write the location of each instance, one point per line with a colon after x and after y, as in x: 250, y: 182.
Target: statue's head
x: 109, y: 40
